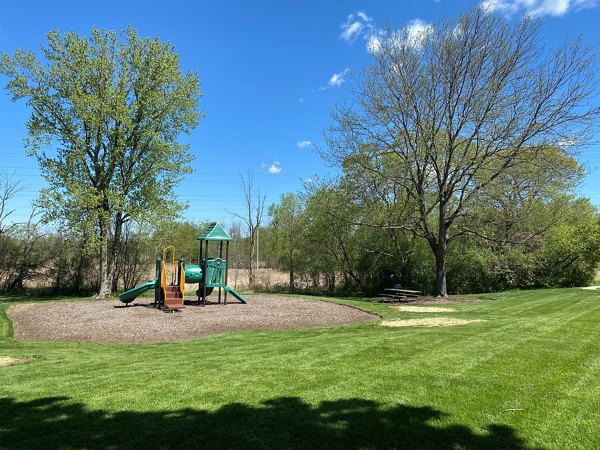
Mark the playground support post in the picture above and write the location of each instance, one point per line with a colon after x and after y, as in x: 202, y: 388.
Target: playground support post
x: 220, y: 256
x: 204, y: 269
x: 157, y: 290
x: 226, y: 270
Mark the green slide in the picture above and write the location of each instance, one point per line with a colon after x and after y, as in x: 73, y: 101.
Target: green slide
x: 235, y: 294
x: 131, y: 294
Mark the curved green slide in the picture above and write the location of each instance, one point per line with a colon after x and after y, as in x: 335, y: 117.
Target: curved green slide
x: 132, y: 294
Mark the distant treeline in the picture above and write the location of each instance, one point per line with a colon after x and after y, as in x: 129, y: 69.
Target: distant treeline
x: 321, y: 240
x: 317, y: 240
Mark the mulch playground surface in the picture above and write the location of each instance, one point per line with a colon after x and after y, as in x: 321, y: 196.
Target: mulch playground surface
x: 106, y: 321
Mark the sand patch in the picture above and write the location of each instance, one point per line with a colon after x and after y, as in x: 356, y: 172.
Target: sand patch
x: 6, y: 361
x: 429, y: 322
x: 423, y: 309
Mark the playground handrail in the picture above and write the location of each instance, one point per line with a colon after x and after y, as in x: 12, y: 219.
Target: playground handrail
x: 163, y: 277
x: 164, y: 258
x: 182, y: 276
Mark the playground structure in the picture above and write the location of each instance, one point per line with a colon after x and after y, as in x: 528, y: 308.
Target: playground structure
x: 210, y: 273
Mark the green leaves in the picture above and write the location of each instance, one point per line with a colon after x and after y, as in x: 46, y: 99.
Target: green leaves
x: 107, y: 112
x: 463, y: 114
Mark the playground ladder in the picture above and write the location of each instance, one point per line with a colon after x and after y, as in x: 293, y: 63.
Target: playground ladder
x: 173, y: 297
x: 172, y: 293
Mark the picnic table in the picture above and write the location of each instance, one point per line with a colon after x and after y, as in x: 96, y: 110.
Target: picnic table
x: 391, y: 295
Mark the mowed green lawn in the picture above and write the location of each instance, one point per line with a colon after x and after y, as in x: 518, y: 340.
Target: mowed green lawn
x: 528, y: 376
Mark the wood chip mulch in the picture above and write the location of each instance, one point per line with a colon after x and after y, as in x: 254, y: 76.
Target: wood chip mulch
x: 105, y: 321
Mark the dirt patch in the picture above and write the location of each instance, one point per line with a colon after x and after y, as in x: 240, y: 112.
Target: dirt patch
x: 422, y: 309
x: 6, y: 361
x: 100, y: 321
x: 429, y: 322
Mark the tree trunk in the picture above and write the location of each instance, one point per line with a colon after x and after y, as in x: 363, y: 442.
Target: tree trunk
x: 17, y: 283
x: 440, y: 270
x: 439, y: 245
x: 116, y: 250
x: 440, y: 253
x: 291, y: 261
x: 251, y: 269
x: 105, y: 280
x: 251, y: 274
x: 331, y: 282
x: 78, y: 276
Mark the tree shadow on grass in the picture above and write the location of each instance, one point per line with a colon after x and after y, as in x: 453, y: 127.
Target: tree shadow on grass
x: 282, y: 423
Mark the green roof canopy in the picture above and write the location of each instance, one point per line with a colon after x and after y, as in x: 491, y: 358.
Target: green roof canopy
x: 214, y: 232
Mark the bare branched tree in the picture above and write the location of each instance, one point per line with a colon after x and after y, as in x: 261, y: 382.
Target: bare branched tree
x: 254, y: 203
x: 444, y: 114
x: 9, y: 188
x: 25, y: 256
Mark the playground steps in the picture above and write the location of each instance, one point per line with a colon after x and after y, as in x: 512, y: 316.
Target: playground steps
x: 174, y: 298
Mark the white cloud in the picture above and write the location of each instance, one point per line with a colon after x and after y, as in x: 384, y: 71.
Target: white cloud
x: 304, y: 144
x: 417, y: 31
x: 336, y: 80
x: 567, y: 142
x: 301, y: 100
x: 374, y: 44
x: 274, y: 168
x: 356, y: 25
x: 361, y: 25
x: 534, y: 8
x: 413, y: 35
x: 351, y: 31
x: 364, y: 16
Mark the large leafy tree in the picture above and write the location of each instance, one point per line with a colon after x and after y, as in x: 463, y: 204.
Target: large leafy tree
x: 288, y: 225
x: 107, y: 112
x: 442, y: 116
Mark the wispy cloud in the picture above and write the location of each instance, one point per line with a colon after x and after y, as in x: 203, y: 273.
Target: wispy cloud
x: 356, y: 25
x: 360, y: 25
x: 336, y: 80
x: 274, y: 168
x: 304, y: 144
x: 536, y: 8
x: 374, y: 44
x: 413, y: 34
x: 351, y: 31
x: 418, y: 30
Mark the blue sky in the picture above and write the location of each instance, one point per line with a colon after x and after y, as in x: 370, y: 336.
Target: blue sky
x: 270, y: 72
